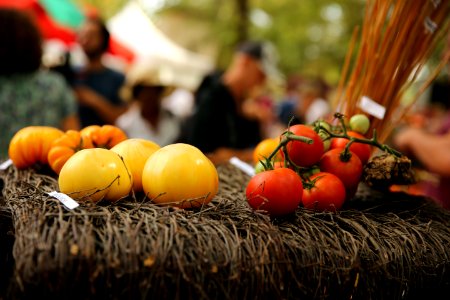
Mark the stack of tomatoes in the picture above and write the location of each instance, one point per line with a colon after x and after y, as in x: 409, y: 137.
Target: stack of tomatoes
x: 317, y: 169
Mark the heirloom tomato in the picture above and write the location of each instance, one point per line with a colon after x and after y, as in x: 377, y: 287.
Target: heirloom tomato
x: 347, y: 169
x: 362, y: 150
x: 30, y: 145
x: 278, y: 191
x: 136, y: 152
x: 304, y: 154
x: 95, y: 174
x: 66, y: 146
x: 324, y: 192
x: 180, y: 175
x: 106, y: 136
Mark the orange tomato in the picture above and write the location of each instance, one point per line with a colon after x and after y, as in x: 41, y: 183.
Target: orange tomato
x: 66, y: 146
x: 30, y: 145
x: 264, y: 149
x: 106, y: 136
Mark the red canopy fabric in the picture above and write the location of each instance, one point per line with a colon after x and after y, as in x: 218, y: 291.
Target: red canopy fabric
x: 49, y: 28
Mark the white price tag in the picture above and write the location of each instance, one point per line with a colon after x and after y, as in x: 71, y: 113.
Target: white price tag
x: 372, y: 108
x: 6, y: 164
x: 248, y: 169
x: 64, y: 199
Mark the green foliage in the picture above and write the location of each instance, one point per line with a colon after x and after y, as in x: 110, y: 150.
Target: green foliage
x: 308, y: 42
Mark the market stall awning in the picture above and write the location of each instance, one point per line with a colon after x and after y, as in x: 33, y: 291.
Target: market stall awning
x: 134, y: 29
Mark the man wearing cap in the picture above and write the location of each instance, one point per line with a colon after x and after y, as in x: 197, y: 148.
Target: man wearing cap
x: 219, y: 126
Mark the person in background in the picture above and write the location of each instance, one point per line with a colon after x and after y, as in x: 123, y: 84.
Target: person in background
x: 146, y: 118
x: 308, y: 105
x: 97, y: 86
x: 314, y: 104
x: 285, y: 109
x: 29, y: 94
x: 219, y: 126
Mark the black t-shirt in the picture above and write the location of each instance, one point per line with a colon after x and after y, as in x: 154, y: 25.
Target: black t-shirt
x: 217, y: 123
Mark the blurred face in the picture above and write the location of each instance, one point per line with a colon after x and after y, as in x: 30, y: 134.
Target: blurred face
x: 253, y: 74
x: 91, y: 39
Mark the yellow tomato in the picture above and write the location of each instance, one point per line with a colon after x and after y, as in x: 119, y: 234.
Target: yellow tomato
x: 95, y: 174
x: 180, y: 175
x: 264, y: 149
x: 135, y: 152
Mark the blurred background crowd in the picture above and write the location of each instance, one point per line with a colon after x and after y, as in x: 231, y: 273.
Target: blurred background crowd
x: 221, y: 75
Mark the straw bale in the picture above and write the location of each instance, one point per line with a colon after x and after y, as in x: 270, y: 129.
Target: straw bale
x: 380, y: 246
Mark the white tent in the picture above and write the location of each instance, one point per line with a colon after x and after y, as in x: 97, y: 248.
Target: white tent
x: 134, y: 29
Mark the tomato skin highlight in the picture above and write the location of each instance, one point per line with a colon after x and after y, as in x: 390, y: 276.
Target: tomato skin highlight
x: 349, y: 172
x: 327, y: 194
x: 304, y: 154
x: 362, y: 150
x: 278, y: 191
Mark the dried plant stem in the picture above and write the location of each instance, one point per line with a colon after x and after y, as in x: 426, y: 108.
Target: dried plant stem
x: 396, y: 41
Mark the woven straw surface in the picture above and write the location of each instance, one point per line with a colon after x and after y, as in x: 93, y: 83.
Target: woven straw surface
x: 380, y: 246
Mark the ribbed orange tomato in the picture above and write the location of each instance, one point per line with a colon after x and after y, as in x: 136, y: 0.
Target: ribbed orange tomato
x: 66, y: 146
x: 30, y: 145
x: 180, y: 175
x: 106, y: 136
x: 136, y: 152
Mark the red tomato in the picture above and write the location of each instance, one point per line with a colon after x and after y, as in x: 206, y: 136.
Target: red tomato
x: 279, y: 191
x: 327, y: 194
x: 362, y: 150
x: 303, y: 154
x: 349, y: 172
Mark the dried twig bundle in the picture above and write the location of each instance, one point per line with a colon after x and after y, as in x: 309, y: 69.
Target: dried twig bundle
x: 397, y: 39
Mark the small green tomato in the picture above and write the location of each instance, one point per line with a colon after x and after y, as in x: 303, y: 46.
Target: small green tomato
x: 359, y: 123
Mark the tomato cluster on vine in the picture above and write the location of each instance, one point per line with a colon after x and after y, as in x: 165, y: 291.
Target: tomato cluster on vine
x: 320, y: 168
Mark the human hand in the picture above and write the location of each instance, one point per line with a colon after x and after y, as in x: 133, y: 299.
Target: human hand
x: 402, y: 140
x: 86, y: 96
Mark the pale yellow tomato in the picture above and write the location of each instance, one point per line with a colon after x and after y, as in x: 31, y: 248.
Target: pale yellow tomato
x: 180, y: 175
x: 95, y: 174
x: 136, y: 152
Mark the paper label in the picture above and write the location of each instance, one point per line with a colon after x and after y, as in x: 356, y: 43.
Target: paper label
x: 372, y: 108
x: 64, y: 199
x: 245, y: 167
x: 6, y: 164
